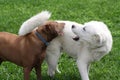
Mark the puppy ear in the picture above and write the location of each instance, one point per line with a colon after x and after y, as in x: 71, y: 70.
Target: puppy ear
x: 99, y: 38
x: 47, y: 28
x: 58, y: 29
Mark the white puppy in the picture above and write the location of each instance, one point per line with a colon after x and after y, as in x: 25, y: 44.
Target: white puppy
x: 95, y: 40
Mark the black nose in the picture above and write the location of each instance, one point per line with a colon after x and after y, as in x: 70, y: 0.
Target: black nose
x: 76, y: 38
x: 73, y: 26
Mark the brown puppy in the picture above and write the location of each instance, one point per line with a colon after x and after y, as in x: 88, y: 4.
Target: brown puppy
x: 28, y: 51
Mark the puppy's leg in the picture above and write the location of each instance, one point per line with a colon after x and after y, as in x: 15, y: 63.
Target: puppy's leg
x: 38, y: 71
x: 1, y: 61
x: 88, y: 67
x: 83, y: 69
x: 27, y: 71
x: 38, y: 66
x: 52, y: 58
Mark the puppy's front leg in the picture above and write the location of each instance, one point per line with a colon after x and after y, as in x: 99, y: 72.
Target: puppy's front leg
x: 52, y: 60
x: 1, y: 61
x: 27, y: 71
x: 88, y: 67
x: 38, y: 71
x: 83, y: 69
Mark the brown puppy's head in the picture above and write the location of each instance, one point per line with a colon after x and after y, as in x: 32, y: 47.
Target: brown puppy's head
x: 51, y: 29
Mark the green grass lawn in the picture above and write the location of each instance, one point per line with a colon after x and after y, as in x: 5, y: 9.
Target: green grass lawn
x: 14, y: 12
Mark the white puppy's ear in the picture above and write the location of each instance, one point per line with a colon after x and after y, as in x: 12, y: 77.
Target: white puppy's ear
x: 99, y: 38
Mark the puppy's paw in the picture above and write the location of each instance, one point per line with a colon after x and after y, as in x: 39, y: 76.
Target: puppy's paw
x: 51, y: 73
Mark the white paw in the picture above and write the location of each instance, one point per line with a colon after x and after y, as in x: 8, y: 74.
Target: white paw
x: 51, y: 73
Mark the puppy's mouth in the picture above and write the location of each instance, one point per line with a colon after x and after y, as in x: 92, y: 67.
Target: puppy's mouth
x: 76, y: 38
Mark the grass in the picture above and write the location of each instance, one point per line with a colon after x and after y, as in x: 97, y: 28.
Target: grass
x: 14, y: 12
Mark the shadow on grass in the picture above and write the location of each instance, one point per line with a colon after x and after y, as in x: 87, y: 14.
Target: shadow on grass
x: 59, y: 77
x: 62, y: 77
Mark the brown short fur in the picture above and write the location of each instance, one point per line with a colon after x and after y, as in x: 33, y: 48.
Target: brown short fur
x: 28, y: 51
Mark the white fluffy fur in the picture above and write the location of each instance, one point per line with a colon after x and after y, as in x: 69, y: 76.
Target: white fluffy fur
x: 34, y: 22
x: 94, y: 43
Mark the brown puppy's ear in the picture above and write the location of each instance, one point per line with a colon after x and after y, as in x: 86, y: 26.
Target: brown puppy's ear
x: 62, y: 24
x: 47, y: 27
x: 59, y: 29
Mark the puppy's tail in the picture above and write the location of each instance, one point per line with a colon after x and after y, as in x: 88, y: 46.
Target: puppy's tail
x: 34, y: 22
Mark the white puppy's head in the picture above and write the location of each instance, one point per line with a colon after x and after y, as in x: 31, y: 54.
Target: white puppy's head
x: 94, y: 33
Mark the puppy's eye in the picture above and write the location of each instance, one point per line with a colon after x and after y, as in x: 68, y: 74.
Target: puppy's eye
x: 84, y: 29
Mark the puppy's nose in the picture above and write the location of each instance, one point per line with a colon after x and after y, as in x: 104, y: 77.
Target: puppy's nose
x: 73, y: 26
